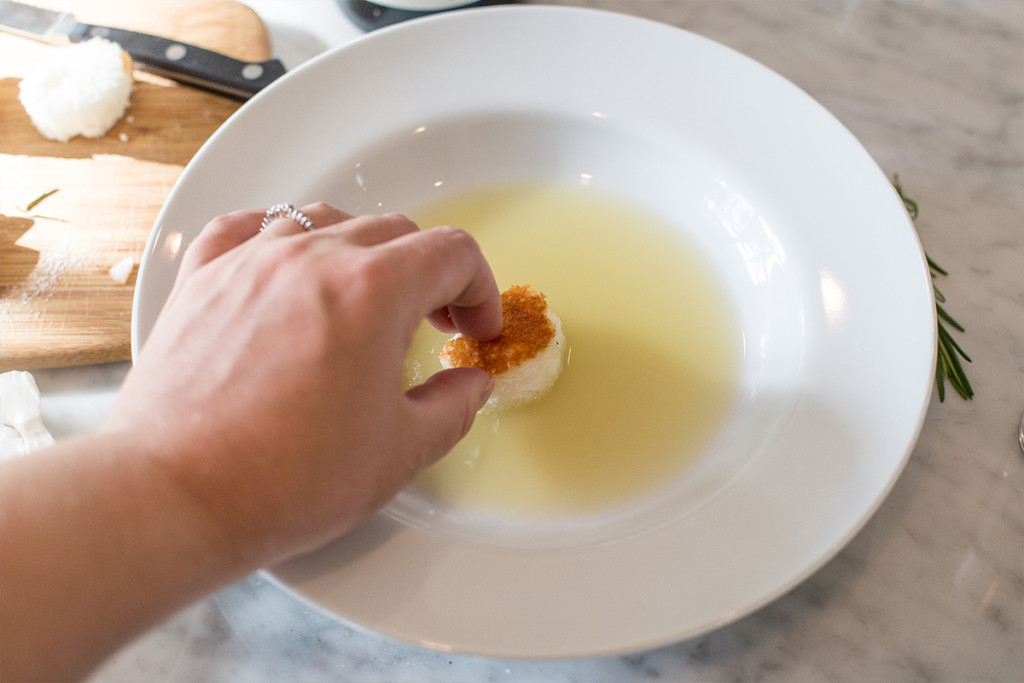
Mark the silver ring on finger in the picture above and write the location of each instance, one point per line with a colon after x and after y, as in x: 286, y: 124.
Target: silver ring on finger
x: 288, y: 212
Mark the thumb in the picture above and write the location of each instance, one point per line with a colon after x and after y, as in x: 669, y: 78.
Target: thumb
x: 443, y: 408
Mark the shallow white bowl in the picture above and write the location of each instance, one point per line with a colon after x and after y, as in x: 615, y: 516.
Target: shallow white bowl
x: 829, y: 282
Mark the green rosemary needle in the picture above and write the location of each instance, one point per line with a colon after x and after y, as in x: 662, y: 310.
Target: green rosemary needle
x: 35, y: 202
x: 26, y: 211
x: 947, y: 364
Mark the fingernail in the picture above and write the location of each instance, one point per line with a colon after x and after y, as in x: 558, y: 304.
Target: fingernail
x: 486, y: 390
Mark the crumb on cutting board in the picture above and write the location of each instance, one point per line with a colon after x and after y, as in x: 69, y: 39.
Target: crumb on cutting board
x: 122, y: 270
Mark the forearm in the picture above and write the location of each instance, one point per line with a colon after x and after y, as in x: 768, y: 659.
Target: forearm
x: 97, y: 544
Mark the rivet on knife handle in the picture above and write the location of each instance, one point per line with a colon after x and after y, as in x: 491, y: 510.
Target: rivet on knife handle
x: 189, y: 63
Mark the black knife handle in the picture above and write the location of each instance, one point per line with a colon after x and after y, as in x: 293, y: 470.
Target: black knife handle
x: 189, y: 63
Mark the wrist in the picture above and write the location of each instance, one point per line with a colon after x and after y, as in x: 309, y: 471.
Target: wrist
x: 100, y: 529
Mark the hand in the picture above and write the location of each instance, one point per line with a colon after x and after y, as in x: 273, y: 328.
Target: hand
x: 266, y: 415
x: 271, y: 387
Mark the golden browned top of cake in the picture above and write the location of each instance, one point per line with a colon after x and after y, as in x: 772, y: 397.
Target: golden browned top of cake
x: 525, y: 332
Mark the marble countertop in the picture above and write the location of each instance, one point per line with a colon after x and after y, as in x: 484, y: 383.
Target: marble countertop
x: 933, y: 587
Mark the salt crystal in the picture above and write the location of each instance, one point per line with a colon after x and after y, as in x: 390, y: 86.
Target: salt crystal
x: 50, y: 271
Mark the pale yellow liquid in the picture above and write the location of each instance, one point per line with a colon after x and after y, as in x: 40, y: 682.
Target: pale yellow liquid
x: 652, y: 365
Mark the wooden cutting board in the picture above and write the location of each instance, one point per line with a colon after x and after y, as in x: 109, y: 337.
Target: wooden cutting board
x: 59, y: 305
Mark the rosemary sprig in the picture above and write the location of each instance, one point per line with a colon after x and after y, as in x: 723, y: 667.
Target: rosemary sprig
x: 947, y: 365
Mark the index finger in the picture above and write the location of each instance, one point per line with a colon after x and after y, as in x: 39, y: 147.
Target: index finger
x: 449, y: 274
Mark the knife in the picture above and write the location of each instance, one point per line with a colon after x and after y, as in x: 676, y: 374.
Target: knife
x: 163, y: 56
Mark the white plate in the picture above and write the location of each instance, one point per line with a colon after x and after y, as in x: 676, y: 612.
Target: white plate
x: 829, y: 281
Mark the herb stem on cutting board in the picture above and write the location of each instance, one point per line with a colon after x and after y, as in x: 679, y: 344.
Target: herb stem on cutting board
x: 947, y: 364
x: 38, y: 200
x: 27, y: 209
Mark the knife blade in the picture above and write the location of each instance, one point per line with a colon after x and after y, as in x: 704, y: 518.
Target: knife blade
x: 171, y: 58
